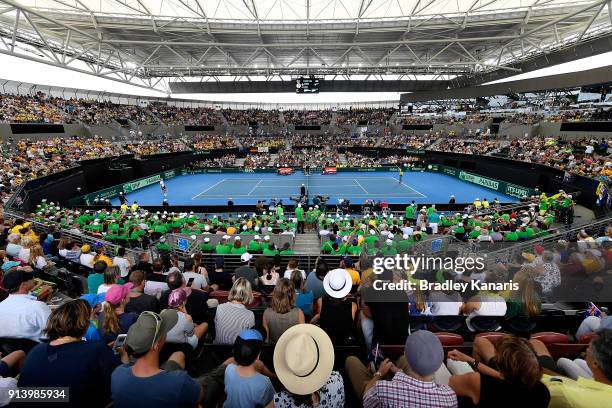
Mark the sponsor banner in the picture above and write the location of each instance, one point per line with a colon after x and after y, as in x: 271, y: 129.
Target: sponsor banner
x: 449, y: 171
x: 415, y: 152
x: 248, y: 171
x: 201, y: 152
x: 135, y: 185
x: 284, y: 171
x: 481, y: 181
x: 102, y: 194
x: 365, y: 169
x: 169, y: 174
x: 500, y: 186
x: 330, y: 170
x: 517, y: 191
x: 262, y: 149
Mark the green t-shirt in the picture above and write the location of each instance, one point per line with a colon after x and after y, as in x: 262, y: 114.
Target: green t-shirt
x: 222, y: 249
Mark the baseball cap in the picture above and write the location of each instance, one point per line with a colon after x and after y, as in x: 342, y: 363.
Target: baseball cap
x: 149, y: 328
x: 93, y: 299
x: 348, y: 261
x: 178, y: 296
x: 250, y: 334
x: 10, y: 264
x: 13, y: 279
x: 116, y: 293
x: 246, y: 257
x: 424, y: 352
x: 85, y: 248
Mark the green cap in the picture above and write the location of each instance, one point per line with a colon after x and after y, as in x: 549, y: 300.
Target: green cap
x: 141, y: 336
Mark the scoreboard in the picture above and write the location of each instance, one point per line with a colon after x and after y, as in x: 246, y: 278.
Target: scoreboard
x: 307, y: 84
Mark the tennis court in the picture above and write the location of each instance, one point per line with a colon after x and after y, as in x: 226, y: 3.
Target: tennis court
x: 216, y: 189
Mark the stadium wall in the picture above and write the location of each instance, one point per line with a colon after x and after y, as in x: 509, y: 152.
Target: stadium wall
x: 532, y: 175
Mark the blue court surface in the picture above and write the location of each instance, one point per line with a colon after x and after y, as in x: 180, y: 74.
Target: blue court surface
x: 215, y: 189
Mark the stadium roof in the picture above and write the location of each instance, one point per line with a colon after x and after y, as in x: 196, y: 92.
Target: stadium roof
x: 149, y: 42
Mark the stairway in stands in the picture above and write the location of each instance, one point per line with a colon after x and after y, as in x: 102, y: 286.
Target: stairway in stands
x: 307, y: 243
x: 239, y: 161
x: 342, y: 159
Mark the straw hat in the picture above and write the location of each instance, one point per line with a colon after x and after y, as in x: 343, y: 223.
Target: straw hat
x: 303, y: 358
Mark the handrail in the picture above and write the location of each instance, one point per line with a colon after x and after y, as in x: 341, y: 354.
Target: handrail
x: 566, y: 234
x: 83, y: 238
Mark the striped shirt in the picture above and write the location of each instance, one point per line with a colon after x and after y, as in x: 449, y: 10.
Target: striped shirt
x: 407, y: 392
x: 230, y: 320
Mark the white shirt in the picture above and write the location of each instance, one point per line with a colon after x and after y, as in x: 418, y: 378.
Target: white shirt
x: 13, y: 249
x: 87, y: 259
x: 288, y: 273
x: 103, y: 288
x: 123, y: 264
x: 24, y: 254
x: 154, y: 288
x: 198, y: 280
x: 23, y: 317
x: 181, y: 331
x: 41, y: 262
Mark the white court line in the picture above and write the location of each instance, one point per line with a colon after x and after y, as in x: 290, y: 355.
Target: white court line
x: 415, y: 191
x: 359, y: 184
x: 407, y: 195
x: 202, y: 192
x: 255, y: 186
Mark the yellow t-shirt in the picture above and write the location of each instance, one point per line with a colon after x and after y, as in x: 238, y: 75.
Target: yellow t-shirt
x: 583, y: 393
x: 354, y: 276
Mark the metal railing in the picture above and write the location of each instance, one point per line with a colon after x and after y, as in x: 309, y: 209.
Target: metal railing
x: 81, y: 238
x: 512, y: 249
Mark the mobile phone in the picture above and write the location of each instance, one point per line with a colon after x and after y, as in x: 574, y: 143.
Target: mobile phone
x: 119, y: 342
x: 190, y: 282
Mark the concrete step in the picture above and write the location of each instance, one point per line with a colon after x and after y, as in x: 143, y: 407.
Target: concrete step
x: 307, y: 243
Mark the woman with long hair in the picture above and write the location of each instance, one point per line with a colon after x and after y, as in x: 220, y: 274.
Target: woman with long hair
x: 526, y: 301
x: 37, y: 258
x: 198, y: 267
x: 114, y: 320
x: 282, y: 312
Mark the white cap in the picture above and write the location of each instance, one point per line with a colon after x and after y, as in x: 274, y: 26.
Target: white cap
x: 193, y: 237
x: 237, y: 238
x: 206, y: 239
x: 226, y: 237
x: 405, y: 236
x: 256, y: 237
x: 246, y: 257
x: 266, y: 238
x: 389, y: 242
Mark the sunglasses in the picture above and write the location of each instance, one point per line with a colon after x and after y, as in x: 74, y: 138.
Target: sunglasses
x: 158, y: 322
